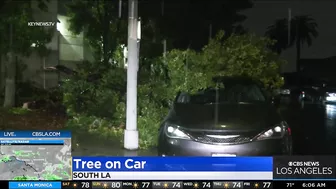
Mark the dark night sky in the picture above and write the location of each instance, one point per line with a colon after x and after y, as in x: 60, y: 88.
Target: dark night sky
x: 265, y: 12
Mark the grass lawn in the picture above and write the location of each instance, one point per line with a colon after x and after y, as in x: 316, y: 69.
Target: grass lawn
x: 23, y: 119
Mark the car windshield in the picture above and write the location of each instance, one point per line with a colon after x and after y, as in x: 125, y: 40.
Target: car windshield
x: 236, y: 93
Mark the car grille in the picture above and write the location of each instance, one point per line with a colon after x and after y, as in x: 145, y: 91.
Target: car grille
x: 235, y: 140
x: 206, y: 138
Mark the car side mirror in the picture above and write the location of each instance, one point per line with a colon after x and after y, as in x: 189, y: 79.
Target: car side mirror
x: 182, y: 97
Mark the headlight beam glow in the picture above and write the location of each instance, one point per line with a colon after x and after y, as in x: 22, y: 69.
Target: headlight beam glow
x: 174, y: 132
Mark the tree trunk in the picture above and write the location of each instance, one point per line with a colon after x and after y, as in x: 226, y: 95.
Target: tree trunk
x: 298, y: 55
x: 105, y: 49
x: 9, y: 100
x: 1, y: 75
x: 44, y: 72
x: 10, y: 82
x: 106, y: 28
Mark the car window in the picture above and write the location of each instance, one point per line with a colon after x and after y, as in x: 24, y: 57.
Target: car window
x: 229, y: 94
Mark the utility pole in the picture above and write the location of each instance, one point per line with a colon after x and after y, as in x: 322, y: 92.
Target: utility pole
x: 289, y: 25
x: 162, y: 7
x: 210, y: 32
x: 131, y: 134
x: 120, y: 9
x: 138, y: 38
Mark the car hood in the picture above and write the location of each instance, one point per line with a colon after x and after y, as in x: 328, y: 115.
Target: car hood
x: 330, y: 90
x: 234, y: 117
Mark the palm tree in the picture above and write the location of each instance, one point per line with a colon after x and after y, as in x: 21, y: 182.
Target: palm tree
x: 279, y: 32
x: 302, y: 31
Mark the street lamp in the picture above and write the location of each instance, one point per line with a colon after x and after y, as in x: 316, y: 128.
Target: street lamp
x: 58, y: 28
x: 120, y: 8
x: 131, y: 134
x: 289, y: 25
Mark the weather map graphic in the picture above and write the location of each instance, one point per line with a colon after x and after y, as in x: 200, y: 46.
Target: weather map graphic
x: 35, y: 156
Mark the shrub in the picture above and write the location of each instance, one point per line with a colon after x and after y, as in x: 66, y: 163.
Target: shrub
x: 94, y: 97
x: 19, y: 111
x: 100, y: 107
x: 95, y: 125
x: 28, y: 92
x: 238, y: 55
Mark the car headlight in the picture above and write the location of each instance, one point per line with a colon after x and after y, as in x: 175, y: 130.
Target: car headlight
x: 331, y: 94
x: 273, y: 133
x: 175, y: 132
x: 285, y: 91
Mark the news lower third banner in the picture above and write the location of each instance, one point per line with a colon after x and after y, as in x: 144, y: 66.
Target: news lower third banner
x: 304, y: 168
x: 172, y: 168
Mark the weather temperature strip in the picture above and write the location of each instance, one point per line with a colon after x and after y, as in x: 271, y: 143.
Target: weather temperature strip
x: 147, y: 184
x: 166, y: 185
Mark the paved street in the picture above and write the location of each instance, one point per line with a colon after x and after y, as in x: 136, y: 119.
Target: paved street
x: 314, y: 129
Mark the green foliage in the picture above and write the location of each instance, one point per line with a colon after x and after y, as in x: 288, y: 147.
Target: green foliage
x: 245, y: 55
x: 18, y: 15
x: 100, y: 107
x: 239, y: 55
x: 187, y: 70
x: 95, y: 125
x: 149, y: 120
x: 161, y: 79
x: 104, y: 31
x: 97, y: 97
x: 94, y: 105
x: 17, y: 38
x: 150, y: 116
x: 19, y: 111
x: 105, y: 99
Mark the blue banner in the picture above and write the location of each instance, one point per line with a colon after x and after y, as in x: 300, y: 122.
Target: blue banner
x: 261, y: 164
x: 35, y: 184
x: 35, y: 134
x: 35, y: 142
